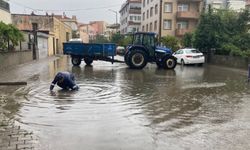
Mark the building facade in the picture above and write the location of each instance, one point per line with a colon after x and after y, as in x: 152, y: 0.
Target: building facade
x: 170, y: 17
x: 5, y: 15
x: 236, y: 5
x: 58, y: 31
x: 130, y: 16
x: 87, y: 32
x: 71, y: 22
x: 248, y: 4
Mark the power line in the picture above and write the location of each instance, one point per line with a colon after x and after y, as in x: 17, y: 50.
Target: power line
x: 65, y: 10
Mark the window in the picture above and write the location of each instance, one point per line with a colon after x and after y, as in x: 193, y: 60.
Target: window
x: 131, y: 18
x: 147, y: 27
x: 155, y: 26
x: 147, y: 13
x: 156, y: 9
x: 167, y: 24
x: 138, y: 39
x: 144, y: 3
x: 182, y: 25
x: 151, y: 27
x: 183, y: 7
x: 168, y: 7
x: 143, y: 28
x: 143, y: 16
x: 151, y: 11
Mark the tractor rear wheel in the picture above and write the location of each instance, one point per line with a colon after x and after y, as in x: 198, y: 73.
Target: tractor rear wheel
x: 137, y: 59
x: 169, y: 62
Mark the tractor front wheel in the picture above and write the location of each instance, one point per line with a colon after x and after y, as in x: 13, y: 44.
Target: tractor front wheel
x: 169, y: 62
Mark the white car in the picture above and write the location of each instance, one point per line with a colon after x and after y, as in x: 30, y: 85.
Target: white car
x: 189, y: 56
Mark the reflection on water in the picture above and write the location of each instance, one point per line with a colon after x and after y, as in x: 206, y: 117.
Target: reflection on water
x: 119, y: 108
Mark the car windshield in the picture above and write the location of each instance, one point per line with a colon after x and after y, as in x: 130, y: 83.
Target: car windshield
x: 192, y: 51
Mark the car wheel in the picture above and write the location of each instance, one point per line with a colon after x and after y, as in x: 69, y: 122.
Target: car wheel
x: 76, y: 61
x: 169, y: 62
x: 137, y: 59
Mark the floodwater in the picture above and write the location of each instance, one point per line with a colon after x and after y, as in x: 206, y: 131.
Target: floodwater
x: 121, y: 109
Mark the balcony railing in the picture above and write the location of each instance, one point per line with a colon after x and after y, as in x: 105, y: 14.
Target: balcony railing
x: 4, y: 5
x: 181, y: 32
x: 247, y: 2
x: 190, y: 0
x: 188, y: 15
x: 135, y: 11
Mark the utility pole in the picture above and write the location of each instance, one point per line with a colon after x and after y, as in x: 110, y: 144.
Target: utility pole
x: 34, y: 29
x: 160, y: 21
x: 116, y: 18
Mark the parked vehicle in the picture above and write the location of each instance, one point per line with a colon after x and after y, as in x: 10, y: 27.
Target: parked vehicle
x: 189, y: 56
x: 120, y: 50
x: 144, y: 49
x: 89, y: 52
x: 76, y: 40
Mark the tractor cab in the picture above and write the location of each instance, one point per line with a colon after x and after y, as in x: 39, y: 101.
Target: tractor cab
x: 147, y: 40
x: 144, y: 49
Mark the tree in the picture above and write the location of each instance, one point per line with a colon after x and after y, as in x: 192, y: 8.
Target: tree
x: 9, y: 34
x: 117, y: 38
x: 170, y: 42
x: 187, y: 40
x: 100, y: 39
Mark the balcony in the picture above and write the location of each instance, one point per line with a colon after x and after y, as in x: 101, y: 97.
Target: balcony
x: 181, y: 32
x: 134, y: 11
x: 188, y: 15
x: 134, y: 23
x: 247, y: 2
x: 190, y: 1
x: 4, y: 6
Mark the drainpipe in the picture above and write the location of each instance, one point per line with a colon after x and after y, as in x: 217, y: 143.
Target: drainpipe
x: 160, y: 21
x: 248, y: 73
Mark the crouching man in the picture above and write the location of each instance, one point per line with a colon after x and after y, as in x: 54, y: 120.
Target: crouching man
x: 65, y: 80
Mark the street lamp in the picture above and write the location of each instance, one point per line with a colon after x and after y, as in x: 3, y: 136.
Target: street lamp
x: 116, y: 13
x: 116, y: 23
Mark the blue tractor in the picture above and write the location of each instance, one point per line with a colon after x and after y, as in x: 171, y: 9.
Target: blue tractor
x: 144, y: 49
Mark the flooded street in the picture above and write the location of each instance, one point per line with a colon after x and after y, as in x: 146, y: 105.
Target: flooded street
x: 118, y: 108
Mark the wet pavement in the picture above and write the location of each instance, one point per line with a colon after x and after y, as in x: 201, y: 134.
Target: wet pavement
x: 117, y: 108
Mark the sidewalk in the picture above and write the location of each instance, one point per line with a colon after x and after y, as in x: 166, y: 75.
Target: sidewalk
x: 12, y: 135
x: 25, y: 71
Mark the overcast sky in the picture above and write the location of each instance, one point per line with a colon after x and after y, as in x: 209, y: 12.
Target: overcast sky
x: 85, y: 10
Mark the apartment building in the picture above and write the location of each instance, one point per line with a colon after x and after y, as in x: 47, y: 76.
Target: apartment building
x: 170, y: 17
x: 130, y: 19
x: 236, y: 5
x: 248, y: 4
x: 58, y: 31
x: 87, y: 32
x: 5, y: 15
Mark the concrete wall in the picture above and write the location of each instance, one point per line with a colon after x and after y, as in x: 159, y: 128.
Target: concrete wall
x: 14, y: 58
x: 5, y: 16
x: 230, y: 61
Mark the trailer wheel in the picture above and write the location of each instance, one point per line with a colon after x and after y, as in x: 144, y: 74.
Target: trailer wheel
x: 169, y: 62
x: 76, y: 61
x: 137, y: 59
x: 88, y: 61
